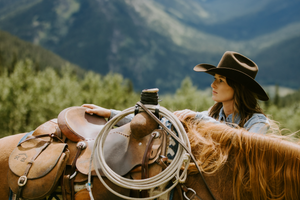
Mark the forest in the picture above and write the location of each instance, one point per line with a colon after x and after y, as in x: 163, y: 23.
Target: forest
x: 30, y: 97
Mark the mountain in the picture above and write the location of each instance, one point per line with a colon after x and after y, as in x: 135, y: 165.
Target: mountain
x: 281, y: 64
x: 233, y: 19
x: 156, y: 43
x: 13, y: 49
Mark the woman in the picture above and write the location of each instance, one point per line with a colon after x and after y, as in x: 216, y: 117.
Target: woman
x: 236, y: 94
x: 235, y: 91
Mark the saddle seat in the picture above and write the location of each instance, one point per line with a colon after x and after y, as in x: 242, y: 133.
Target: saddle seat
x: 77, y: 125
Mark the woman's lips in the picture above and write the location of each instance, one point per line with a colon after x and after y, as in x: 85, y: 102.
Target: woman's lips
x: 214, y: 92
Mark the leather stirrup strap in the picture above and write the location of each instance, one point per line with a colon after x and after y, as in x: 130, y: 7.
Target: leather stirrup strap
x: 145, y: 162
x: 179, y: 141
x: 68, y: 179
x: 146, y: 157
x: 23, y: 179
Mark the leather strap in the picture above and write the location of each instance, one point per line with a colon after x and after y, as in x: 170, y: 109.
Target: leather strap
x: 68, y: 179
x: 145, y: 161
x: 179, y: 141
x: 66, y: 187
x: 52, y: 135
x: 23, y: 179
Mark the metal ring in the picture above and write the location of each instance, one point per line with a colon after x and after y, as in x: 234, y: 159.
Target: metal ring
x: 157, y: 134
x: 189, y: 189
x: 22, y: 180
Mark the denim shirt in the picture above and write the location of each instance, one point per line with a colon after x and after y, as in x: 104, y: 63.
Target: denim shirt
x: 123, y: 121
x: 258, y: 123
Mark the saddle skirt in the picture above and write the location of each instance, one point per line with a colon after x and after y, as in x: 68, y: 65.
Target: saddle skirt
x: 122, y: 152
x: 35, y: 167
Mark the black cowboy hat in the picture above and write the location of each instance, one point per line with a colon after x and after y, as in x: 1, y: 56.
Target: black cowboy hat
x: 238, y: 68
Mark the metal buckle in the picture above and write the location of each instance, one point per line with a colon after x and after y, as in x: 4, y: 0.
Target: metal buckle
x: 189, y: 189
x: 22, y: 181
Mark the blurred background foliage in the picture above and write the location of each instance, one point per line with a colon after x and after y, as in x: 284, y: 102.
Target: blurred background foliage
x: 30, y: 97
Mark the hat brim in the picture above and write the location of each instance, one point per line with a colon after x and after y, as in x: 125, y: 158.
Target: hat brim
x: 235, y: 75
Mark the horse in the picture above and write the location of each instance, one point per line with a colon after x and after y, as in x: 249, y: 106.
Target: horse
x: 236, y: 165
x: 258, y: 166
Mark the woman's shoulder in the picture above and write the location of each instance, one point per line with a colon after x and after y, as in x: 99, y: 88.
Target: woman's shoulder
x: 258, y: 123
x: 257, y: 118
x: 201, y: 114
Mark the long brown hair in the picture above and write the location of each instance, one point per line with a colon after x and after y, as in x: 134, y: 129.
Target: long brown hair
x: 265, y: 166
x: 245, y: 103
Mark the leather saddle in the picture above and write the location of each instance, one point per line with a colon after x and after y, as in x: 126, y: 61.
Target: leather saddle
x: 128, y: 149
x: 39, y: 160
x: 122, y: 151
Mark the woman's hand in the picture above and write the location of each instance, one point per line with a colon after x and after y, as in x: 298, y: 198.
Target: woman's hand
x: 93, y: 109
x: 182, y: 115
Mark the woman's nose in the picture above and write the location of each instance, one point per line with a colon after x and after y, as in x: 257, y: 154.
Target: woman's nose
x: 213, y: 85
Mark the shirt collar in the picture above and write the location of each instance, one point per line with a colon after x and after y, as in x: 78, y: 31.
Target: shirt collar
x: 222, y: 117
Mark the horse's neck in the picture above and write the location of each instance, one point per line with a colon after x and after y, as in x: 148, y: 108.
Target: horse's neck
x: 220, y: 183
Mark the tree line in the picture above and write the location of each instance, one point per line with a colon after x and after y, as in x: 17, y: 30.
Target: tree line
x: 30, y: 97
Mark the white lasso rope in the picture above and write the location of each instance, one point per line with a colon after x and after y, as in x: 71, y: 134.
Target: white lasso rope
x: 173, y: 170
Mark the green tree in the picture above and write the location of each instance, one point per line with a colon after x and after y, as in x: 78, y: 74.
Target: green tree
x: 30, y: 98
x: 187, y: 97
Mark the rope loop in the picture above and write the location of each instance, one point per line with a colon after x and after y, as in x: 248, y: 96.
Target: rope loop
x: 171, y: 172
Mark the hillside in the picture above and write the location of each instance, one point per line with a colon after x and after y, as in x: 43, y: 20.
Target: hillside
x: 156, y: 43
x: 280, y: 64
x: 232, y: 19
x: 13, y: 49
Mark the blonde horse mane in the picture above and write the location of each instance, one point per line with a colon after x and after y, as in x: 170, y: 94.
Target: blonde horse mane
x: 264, y: 166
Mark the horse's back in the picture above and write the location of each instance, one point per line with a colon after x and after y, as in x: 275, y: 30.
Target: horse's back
x: 7, y: 145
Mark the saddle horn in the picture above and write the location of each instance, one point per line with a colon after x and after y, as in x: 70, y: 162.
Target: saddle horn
x: 142, y: 124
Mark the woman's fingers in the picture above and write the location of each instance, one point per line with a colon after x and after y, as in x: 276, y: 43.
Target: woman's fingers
x: 91, y: 106
x: 97, y: 110
x: 184, y: 114
x: 90, y: 111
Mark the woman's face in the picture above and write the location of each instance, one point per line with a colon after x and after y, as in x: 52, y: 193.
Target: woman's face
x: 221, y: 92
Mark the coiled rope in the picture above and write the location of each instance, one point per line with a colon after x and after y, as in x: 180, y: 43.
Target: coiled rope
x: 181, y: 158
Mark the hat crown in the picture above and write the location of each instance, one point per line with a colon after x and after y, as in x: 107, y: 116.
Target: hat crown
x: 238, y: 62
